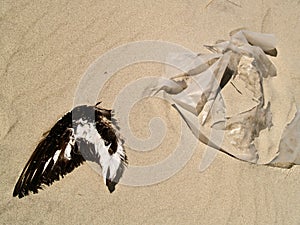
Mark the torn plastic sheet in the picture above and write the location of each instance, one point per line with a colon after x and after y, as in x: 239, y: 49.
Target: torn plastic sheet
x: 224, y: 93
x: 289, y: 148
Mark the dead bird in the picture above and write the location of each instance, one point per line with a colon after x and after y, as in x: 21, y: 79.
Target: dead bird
x: 84, y: 133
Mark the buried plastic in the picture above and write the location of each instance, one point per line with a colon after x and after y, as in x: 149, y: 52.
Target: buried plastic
x: 224, y: 93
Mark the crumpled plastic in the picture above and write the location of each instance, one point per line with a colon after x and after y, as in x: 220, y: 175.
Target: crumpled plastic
x: 236, y: 68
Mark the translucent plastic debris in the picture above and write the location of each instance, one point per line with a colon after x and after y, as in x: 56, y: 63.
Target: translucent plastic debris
x: 289, y: 148
x: 224, y: 94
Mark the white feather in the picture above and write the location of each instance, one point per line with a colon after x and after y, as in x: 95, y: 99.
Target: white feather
x: 55, y: 157
x: 109, y: 163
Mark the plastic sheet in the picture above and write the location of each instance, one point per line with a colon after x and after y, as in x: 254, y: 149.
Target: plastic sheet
x: 289, y: 148
x: 237, y: 69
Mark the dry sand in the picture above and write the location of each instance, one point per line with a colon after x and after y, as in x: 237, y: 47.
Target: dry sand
x: 46, y: 48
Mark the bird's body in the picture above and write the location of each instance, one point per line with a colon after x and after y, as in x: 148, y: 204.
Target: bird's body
x: 85, y: 133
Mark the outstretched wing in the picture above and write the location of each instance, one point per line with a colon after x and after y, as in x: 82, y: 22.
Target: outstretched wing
x: 56, y: 155
x: 85, y: 133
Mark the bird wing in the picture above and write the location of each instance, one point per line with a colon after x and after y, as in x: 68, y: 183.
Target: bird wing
x: 56, y: 155
x: 107, y: 150
x: 85, y: 133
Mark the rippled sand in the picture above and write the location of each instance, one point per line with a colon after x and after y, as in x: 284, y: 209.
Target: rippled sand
x: 45, y: 50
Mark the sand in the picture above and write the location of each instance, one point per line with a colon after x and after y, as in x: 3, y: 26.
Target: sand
x: 46, y: 48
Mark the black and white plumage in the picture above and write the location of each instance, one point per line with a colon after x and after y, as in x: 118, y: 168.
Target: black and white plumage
x: 85, y: 133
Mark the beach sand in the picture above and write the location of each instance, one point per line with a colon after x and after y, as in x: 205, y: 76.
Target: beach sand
x: 46, y: 47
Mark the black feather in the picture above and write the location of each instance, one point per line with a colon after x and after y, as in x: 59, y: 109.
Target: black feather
x: 35, y: 174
